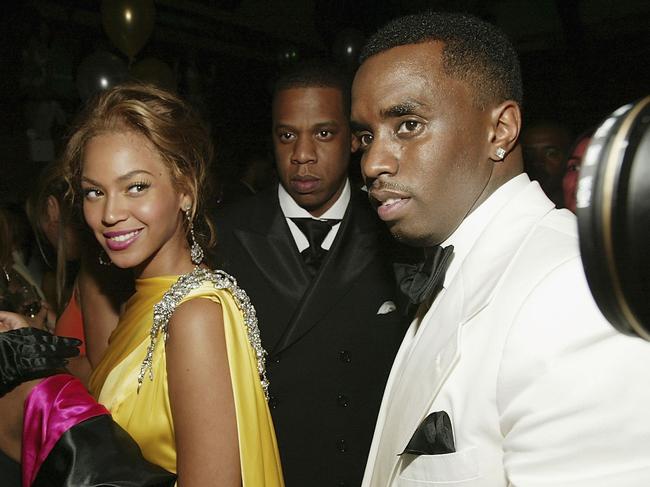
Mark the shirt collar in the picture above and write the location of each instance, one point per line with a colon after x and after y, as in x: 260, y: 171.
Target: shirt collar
x: 291, y: 209
x: 470, y: 229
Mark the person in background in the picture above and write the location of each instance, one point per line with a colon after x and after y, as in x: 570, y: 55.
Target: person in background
x: 509, y: 375
x: 570, y: 179
x: 23, y: 248
x: 12, y: 293
x: 314, y: 260
x: 545, y: 146
x: 58, y: 234
x: 19, y: 292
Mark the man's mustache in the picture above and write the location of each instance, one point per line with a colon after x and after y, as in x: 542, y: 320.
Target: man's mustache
x: 384, y: 185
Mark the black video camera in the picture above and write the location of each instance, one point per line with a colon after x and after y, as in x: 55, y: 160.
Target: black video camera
x: 613, y: 208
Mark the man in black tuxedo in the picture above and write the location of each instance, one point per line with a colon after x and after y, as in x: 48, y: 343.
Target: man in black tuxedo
x: 309, y: 253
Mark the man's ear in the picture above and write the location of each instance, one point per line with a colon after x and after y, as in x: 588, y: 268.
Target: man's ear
x: 505, y: 121
x: 354, y: 143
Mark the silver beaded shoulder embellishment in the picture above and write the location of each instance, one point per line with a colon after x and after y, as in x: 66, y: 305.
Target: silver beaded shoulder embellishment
x: 164, y: 309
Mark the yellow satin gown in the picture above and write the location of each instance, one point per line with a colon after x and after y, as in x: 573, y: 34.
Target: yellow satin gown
x: 146, y: 415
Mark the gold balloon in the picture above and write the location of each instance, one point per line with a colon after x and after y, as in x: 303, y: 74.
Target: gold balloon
x: 156, y: 72
x: 128, y: 23
x: 99, y: 71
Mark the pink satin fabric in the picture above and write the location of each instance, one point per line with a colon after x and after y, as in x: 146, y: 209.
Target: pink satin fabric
x: 52, y: 407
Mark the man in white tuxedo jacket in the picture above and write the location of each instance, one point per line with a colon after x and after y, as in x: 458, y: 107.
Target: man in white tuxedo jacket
x: 539, y: 390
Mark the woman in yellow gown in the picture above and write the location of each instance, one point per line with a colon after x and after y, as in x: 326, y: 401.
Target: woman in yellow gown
x: 184, y: 370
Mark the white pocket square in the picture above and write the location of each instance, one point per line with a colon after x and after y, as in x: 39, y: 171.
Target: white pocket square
x: 386, y: 308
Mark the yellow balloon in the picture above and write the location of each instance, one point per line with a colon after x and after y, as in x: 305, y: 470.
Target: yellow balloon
x: 128, y: 23
x: 156, y: 72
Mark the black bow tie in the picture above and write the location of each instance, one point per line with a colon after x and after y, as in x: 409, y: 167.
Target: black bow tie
x: 315, y: 231
x: 424, y: 280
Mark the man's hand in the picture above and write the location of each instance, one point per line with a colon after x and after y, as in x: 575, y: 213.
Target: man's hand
x: 29, y: 353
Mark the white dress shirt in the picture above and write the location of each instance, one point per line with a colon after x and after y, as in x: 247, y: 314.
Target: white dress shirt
x: 291, y: 209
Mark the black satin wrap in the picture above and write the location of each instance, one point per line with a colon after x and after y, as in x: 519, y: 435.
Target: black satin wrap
x: 99, y: 453
x: 9, y: 472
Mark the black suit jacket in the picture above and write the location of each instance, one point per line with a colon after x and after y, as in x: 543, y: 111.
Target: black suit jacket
x: 329, y: 351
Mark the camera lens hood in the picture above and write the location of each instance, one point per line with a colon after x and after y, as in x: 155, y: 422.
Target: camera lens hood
x: 613, y: 208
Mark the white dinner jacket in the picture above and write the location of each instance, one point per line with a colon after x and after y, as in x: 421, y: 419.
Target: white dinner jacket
x: 540, y: 389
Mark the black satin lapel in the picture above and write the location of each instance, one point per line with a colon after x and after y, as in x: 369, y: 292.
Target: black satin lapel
x: 277, y: 258
x: 353, y: 249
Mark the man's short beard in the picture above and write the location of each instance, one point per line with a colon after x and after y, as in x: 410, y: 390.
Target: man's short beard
x: 411, y: 241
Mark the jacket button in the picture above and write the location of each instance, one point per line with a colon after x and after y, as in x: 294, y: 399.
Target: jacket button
x: 275, y: 359
x: 341, y: 446
x: 344, y: 356
x: 273, y: 401
x: 342, y: 400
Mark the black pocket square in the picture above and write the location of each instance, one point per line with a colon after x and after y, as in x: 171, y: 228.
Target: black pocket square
x: 433, y: 436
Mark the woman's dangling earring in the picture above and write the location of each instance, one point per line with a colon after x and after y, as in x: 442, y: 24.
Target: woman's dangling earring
x: 196, y: 252
x: 103, y: 258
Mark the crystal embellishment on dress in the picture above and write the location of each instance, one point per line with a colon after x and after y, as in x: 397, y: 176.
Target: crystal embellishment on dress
x: 164, y: 309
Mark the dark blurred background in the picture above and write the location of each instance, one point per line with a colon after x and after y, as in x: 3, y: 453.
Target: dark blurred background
x: 581, y: 59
